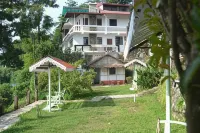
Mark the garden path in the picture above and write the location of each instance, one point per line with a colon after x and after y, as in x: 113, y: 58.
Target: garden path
x: 10, y: 118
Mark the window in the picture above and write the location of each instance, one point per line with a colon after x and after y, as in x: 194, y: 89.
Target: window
x: 99, y: 21
x: 112, y: 71
x: 85, y: 21
x: 113, y: 22
x: 85, y: 40
x: 109, y: 41
x: 99, y: 40
x: 113, y: 8
x: 118, y: 40
x: 122, y: 8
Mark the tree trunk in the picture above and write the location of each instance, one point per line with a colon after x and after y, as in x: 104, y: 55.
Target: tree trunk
x: 28, y: 97
x: 1, y: 109
x: 15, y: 102
x: 193, y: 110
x: 39, y: 33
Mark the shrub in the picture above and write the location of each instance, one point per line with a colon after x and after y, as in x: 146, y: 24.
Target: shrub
x: 129, y: 80
x: 21, y: 82
x: 148, y: 77
x: 5, y: 97
x: 5, y: 74
x: 74, y: 82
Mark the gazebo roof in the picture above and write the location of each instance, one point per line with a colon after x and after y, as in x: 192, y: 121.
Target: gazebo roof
x: 49, y: 61
x: 135, y: 61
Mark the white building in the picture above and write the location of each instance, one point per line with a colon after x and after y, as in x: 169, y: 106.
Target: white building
x: 96, y: 31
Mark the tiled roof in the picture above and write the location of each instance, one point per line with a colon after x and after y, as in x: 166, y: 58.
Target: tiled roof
x: 108, y: 65
x: 67, y: 65
x: 49, y: 61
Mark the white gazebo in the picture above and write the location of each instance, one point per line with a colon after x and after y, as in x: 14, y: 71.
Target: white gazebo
x: 45, y: 65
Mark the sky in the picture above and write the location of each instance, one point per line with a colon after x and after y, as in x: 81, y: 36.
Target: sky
x: 55, y: 12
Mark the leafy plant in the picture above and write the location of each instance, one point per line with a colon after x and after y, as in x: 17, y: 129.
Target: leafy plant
x: 74, y: 83
x: 148, y: 77
x: 5, y: 96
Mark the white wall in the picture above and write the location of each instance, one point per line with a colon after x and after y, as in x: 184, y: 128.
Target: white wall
x: 122, y: 20
x: 78, y: 39
x: 104, y: 74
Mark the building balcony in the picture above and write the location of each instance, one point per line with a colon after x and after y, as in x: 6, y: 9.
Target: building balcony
x: 95, y: 29
x: 99, y: 49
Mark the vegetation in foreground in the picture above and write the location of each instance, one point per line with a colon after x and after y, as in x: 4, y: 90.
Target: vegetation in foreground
x: 119, y: 115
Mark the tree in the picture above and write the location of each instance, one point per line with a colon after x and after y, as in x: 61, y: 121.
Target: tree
x: 120, y: 1
x: 180, y: 20
x: 71, y: 3
x: 83, y: 5
x: 30, y: 16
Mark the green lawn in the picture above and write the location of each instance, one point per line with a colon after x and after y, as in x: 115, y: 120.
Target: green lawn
x: 110, y: 116
x: 107, y: 90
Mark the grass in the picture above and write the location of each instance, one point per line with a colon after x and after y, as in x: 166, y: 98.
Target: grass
x: 106, y: 90
x: 110, y: 116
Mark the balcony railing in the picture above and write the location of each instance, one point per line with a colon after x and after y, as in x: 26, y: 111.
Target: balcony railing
x: 95, y: 48
x: 95, y: 29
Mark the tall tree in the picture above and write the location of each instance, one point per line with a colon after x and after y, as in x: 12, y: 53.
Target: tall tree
x: 19, y: 18
x: 120, y: 1
x: 71, y: 3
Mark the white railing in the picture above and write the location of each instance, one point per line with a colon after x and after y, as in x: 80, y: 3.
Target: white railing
x: 95, y: 29
x: 103, y: 48
x: 96, y: 48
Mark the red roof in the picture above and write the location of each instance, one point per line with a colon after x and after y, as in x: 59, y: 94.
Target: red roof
x: 67, y: 65
x: 45, y: 63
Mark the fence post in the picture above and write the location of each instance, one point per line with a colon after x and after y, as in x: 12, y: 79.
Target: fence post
x: 15, y: 102
x: 1, y: 108
x: 28, y: 97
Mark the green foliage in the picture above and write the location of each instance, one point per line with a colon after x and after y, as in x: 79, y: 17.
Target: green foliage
x: 21, y: 82
x: 31, y: 17
x: 71, y: 3
x: 43, y: 82
x: 129, y: 80
x: 72, y: 57
x: 160, y: 49
x: 148, y: 77
x: 159, y: 43
x: 5, y: 74
x: 6, y: 96
x: 83, y: 5
x: 119, y: 1
x: 74, y: 83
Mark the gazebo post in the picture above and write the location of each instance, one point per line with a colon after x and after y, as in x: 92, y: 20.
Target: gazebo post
x: 168, y: 100
x: 59, y: 84
x: 49, y: 77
